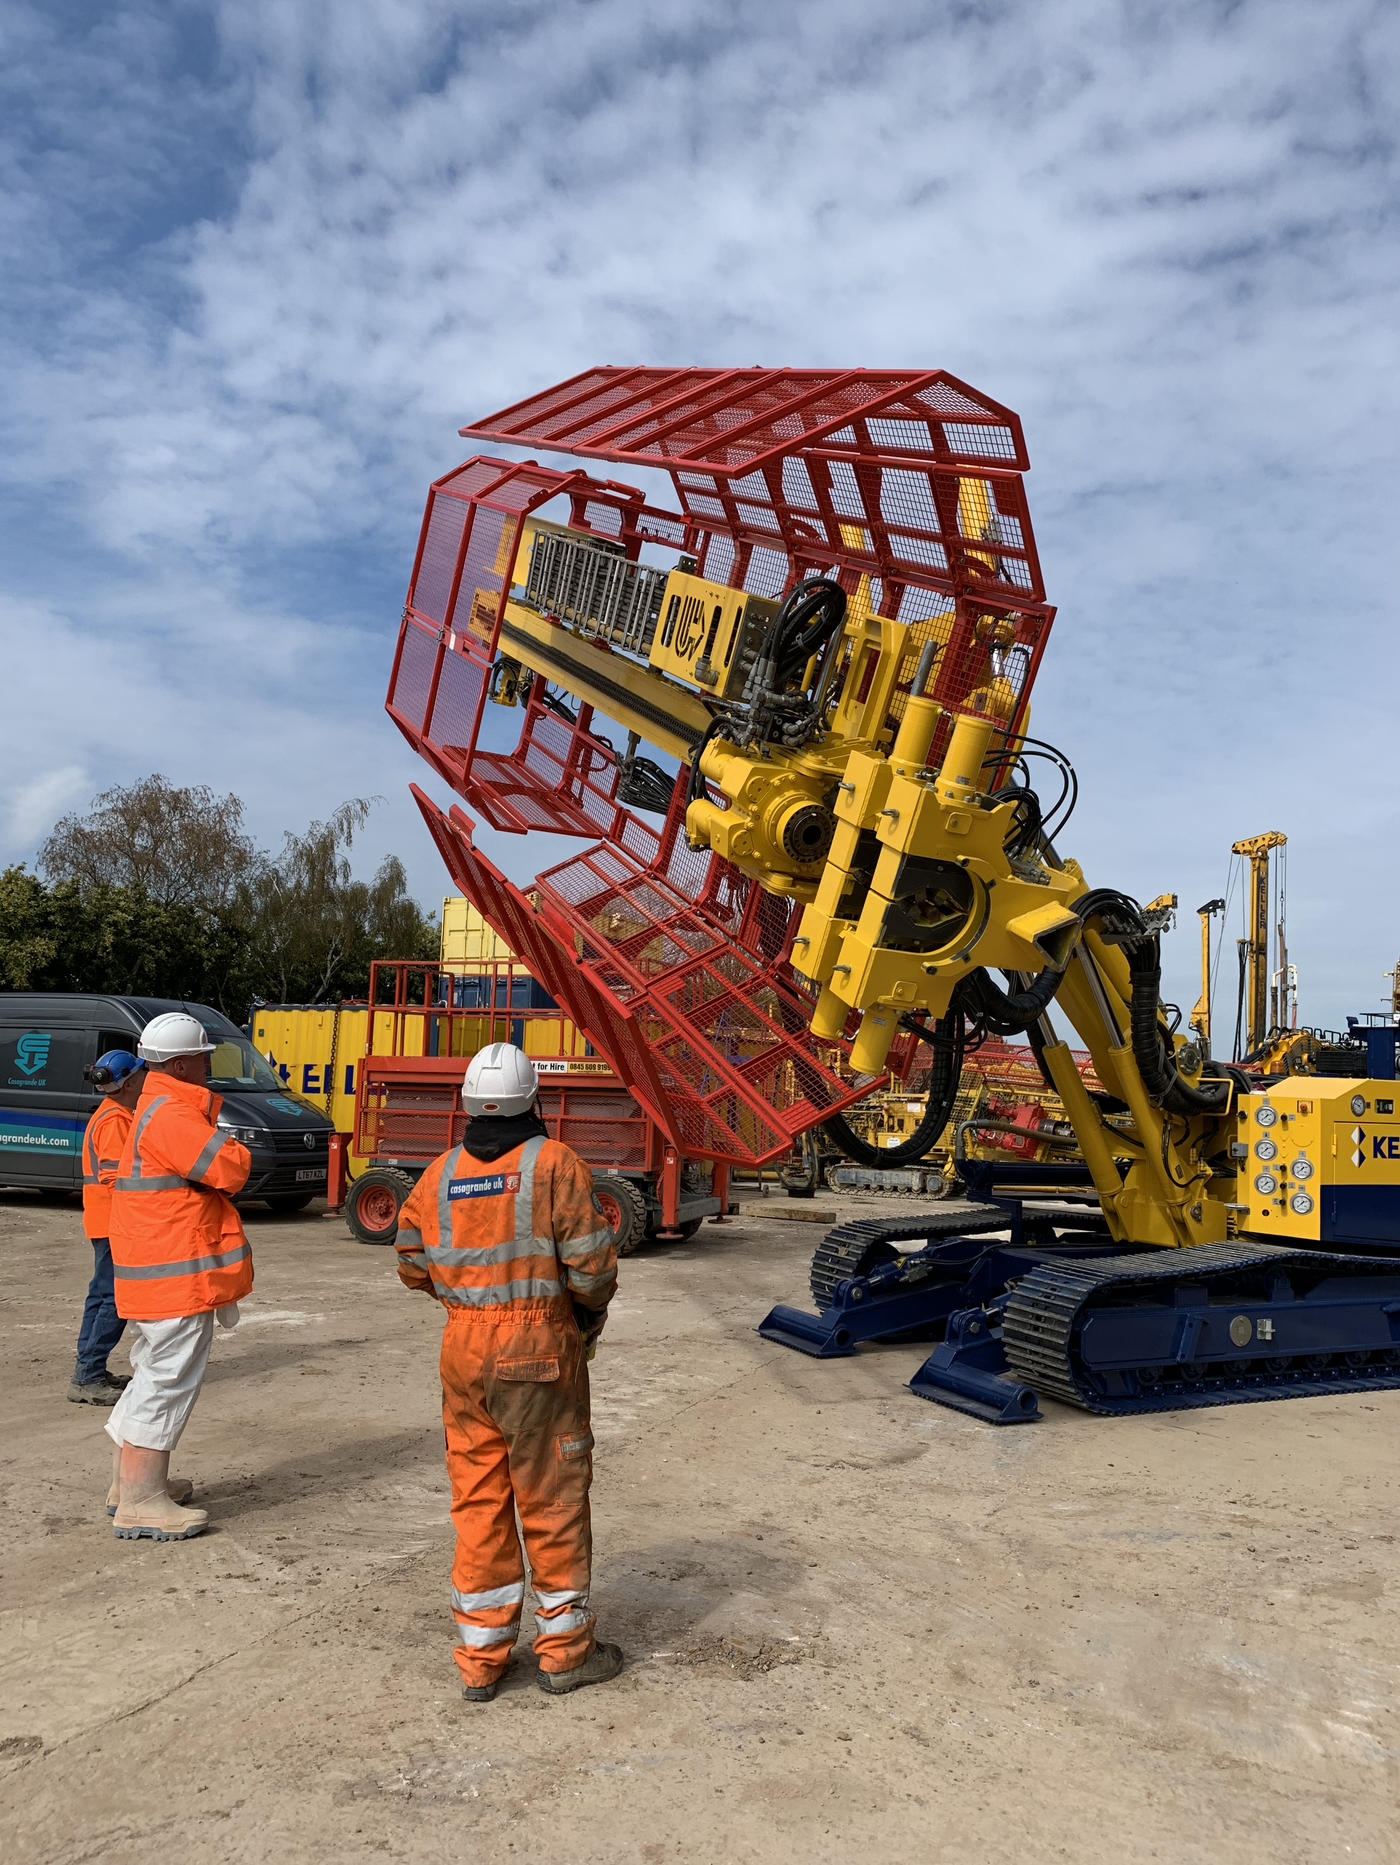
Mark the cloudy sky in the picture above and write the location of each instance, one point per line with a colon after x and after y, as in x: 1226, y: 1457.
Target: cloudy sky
x: 262, y: 259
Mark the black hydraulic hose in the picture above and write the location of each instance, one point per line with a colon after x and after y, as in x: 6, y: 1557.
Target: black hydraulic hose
x: 945, y: 1076
x: 810, y: 614
x: 1008, y: 1013
x: 1154, y: 1058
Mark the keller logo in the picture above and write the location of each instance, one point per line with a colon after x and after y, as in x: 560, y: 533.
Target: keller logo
x: 1358, y: 1140
x: 32, y: 1052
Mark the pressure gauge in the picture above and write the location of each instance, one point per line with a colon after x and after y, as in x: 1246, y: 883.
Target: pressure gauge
x: 1301, y: 1204
x: 1267, y: 1115
x: 1302, y: 1168
x: 1265, y: 1149
x: 1265, y: 1183
x: 1358, y: 1104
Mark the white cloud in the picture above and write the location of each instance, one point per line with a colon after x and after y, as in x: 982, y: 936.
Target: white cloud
x: 264, y: 275
x: 34, y: 806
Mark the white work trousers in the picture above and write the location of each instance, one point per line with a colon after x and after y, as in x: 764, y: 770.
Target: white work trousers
x: 168, y: 1359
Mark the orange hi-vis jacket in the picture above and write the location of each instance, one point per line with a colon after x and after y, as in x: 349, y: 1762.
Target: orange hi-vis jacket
x: 517, y: 1232
x: 177, y: 1243
x: 102, y: 1150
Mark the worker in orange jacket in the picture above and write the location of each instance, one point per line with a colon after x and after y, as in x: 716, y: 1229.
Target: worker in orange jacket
x: 179, y: 1258
x: 504, y: 1232
x: 116, y: 1075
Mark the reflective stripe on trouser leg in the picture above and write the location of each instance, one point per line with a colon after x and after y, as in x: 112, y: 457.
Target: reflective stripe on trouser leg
x: 561, y: 1612
x: 545, y: 1425
x: 488, y: 1571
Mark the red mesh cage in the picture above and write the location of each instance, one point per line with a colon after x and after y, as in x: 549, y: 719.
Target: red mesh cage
x: 904, y: 485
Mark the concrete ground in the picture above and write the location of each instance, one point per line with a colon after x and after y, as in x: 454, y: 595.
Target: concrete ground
x: 858, y: 1626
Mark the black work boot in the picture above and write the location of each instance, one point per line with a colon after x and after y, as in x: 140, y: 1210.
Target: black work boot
x: 106, y: 1389
x: 602, y: 1663
x: 483, y: 1693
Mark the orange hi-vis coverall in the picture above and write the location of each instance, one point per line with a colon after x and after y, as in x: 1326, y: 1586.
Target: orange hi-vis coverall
x: 102, y: 1150
x: 177, y: 1243
x: 509, y: 1247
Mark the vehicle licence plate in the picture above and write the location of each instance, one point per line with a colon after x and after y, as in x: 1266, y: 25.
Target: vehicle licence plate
x: 310, y: 1172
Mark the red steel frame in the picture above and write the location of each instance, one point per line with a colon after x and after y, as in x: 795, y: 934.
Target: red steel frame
x: 674, y: 964
x: 408, y: 1106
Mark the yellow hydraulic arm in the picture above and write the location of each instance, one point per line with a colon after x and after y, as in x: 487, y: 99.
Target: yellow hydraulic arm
x: 931, y: 881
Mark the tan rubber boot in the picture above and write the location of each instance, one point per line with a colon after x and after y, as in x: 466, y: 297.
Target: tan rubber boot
x: 157, y: 1518
x: 178, y: 1489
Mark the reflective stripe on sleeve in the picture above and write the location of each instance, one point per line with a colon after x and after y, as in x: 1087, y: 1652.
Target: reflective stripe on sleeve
x: 192, y: 1266
x: 206, y: 1157
x: 409, y: 1235
x: 578, y: 1247
x: 108, y: 1165
x: 414, y: 1257
x: 586, y: 1284
x: 167, y: 1182
x: 510, y: 1595
x: 479, y: 1635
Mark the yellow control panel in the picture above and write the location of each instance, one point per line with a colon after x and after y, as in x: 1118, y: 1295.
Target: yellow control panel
x: 1318, y: 1159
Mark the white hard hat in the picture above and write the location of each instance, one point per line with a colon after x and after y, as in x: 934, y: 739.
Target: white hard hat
x: 500, y: 1079
x: 173, y: 1033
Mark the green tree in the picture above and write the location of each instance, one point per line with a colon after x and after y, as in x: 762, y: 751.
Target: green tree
x: 117, y: 939
x: 314, y: 929
x: 157, y: 892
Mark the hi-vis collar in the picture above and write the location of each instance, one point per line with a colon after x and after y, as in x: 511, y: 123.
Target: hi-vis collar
x: 492, y: 1186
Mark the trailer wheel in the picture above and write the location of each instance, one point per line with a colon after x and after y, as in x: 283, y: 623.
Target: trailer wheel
x: 623, y: 1210
x: 373, y: 1201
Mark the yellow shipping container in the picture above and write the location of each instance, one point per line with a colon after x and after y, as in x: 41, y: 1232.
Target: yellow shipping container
x: 467, y: 940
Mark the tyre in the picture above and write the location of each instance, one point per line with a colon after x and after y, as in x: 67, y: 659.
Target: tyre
x: 624, y: 1211
x: 288, y: 1202
x: 373, y: 1201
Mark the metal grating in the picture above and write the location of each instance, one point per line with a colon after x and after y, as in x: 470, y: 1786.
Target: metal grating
x: 710, y: 1039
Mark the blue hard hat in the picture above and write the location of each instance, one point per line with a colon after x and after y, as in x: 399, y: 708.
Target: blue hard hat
x: 109, y: 1071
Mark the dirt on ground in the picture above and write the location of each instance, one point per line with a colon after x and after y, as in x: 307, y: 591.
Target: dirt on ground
x: 858, y: 1626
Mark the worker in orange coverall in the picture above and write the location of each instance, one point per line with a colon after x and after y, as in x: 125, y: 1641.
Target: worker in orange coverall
x: 503, y: 1230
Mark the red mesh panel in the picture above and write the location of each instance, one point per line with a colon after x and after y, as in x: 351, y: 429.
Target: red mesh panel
x: 734, y: 419
x: 432, y: 587
x: 710, y: 1039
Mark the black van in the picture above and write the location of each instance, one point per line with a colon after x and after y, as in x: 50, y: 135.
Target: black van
x: 47, y: 1039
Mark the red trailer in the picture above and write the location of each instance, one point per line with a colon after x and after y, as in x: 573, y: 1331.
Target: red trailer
x: 426, y: 1022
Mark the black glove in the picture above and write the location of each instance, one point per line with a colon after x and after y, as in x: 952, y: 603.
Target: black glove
x: 590, y: 1322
